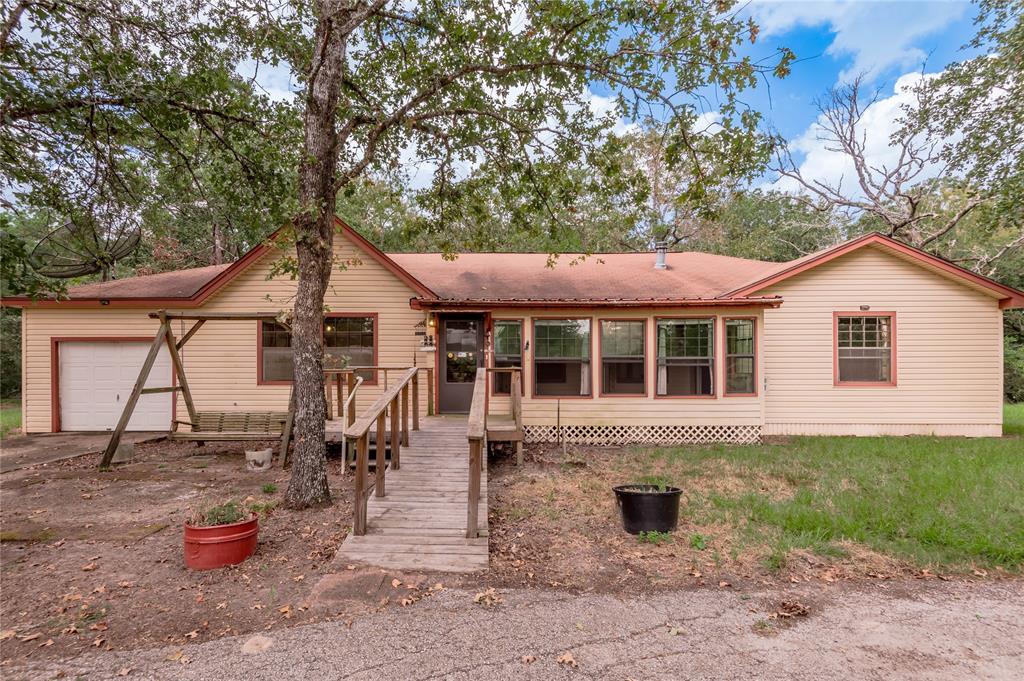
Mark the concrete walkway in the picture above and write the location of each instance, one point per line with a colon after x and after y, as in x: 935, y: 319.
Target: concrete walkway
x: 913, y: 630
x: 421, y: 522
x: 23, y: 451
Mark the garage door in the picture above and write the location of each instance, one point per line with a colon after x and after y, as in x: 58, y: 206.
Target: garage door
x: 96, y: 379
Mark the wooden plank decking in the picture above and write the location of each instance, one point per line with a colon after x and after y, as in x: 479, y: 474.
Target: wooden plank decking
x: 421, y: 523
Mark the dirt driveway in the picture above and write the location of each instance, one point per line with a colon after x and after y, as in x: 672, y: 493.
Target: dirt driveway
x: 900, y: 630
x: 23, y: 451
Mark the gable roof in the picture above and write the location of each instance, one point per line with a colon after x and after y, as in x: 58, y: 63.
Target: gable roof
x: 525, y: 279
x: 191, y: 287
x: 573, y: 278
x: 1008, y: 296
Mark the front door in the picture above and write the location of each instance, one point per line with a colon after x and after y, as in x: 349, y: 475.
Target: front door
x: 462, y: 351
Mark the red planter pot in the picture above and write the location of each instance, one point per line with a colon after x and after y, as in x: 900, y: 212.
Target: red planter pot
x: 207, y: 548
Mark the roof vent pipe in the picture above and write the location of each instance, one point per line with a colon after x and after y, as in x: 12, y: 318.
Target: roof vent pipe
x: 660, y: 248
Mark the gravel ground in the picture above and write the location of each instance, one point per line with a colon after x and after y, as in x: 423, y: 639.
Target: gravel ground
x: 914, y: 629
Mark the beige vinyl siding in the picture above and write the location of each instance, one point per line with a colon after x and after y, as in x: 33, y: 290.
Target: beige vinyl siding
x: 948, y: 352
x: 639, y: 411
x: 220, y: 360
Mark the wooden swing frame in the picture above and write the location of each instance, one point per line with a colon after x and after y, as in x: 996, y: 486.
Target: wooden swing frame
x: 205, y: 426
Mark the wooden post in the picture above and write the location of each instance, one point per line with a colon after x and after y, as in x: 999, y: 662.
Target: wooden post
x: 385, y: 371
x: 140, y: 383
x: 352, y: 407
x: 416, y: 401
x: 329, y: 411
x: 430, y: 391
x: 362, y: 468
x: 380, y: 458
x: 179, y: 369
x: 516, y: 401
x: 396, y: 440
x: 472, y: 510
x: 405, y: 415
x: 341, y: 394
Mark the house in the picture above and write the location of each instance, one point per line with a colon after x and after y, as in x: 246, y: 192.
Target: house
x: 870, y: 337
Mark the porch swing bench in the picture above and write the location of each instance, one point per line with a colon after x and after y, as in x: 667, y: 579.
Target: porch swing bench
x: 231, y: 426
x: 203, y: 426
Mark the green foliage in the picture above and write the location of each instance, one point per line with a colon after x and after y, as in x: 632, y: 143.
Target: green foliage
x: 269, y: 488
x: 698, y: 541
x: 139, y: 108
x: 654, y: 537
x: 976, y: 102
x: 10, y: 352
x: 1013, y: 368
x: 224, y: 514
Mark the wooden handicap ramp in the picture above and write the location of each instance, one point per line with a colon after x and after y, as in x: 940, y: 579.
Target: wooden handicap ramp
x: 420, y: 523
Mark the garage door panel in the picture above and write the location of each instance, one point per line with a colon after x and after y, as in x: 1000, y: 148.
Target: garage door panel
x: 96, y: 379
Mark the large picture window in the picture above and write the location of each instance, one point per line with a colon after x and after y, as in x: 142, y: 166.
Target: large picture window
x: 351, y: 337
x: 864, y: 349
x: 561, y: 357
x: 508, y: 352
x: 740, y: 357
x: 622, y: 357
x: 686, y: 357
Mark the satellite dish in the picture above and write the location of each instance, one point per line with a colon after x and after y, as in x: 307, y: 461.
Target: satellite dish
x: 74, y: 250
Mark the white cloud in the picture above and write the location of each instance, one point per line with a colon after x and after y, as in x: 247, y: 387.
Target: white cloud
x: 817, y: 162
x: 877, y: 35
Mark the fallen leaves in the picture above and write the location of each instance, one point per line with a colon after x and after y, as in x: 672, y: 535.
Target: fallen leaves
x: 489, y: 598
x: 528, y: 659
x: 790, y: 609
x: 89, y: 567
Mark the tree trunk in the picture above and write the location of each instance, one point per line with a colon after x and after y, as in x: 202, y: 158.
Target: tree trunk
x: 218, y: 245
x: 314, y: 241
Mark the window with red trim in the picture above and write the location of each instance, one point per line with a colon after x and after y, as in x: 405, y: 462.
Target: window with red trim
x: 508, y: 352
x: 622, y: 357
x: 740, y: 357
x: 864, y: 348
x: 351, y: 338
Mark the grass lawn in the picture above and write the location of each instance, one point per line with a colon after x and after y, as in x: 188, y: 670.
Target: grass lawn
x: 1013, y: 419
x: 10, y: 417
x: 805, y: 508
x: 952, y: 503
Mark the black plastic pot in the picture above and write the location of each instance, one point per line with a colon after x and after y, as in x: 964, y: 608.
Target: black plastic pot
x: 645, y: 509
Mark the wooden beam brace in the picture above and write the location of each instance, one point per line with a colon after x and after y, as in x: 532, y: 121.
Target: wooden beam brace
x: 179, y: 369
x: 191, y: 332
x: 170, y: 389
x: 140, y: 382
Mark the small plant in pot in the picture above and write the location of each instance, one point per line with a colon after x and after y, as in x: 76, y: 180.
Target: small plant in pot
x: 220, y: 535
x: 651, y: 505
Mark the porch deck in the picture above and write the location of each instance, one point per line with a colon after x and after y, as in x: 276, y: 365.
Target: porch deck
x: 420, y: 524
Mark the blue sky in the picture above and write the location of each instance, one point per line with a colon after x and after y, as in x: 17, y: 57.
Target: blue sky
x: 836, y: 39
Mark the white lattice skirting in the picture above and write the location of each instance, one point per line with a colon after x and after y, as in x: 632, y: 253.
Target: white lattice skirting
x: 661, y: 435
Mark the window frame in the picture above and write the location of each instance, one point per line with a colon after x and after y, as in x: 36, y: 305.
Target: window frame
x: 522, y: 355
x: 600, y: 356
x: 375, y: 316
x: 533, y: 359
x: 725, y: 355
x: 714, y: 357
x: 892, y: 382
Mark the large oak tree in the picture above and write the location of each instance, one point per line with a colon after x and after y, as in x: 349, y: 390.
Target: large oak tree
x: 451, y: 85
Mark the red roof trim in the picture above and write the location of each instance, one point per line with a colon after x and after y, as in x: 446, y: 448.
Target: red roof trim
x: 497, y: 303
x: 1011, y: 296
x: 223, y: 278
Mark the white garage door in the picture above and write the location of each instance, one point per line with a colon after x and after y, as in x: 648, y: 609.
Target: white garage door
x: 96, y: 380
